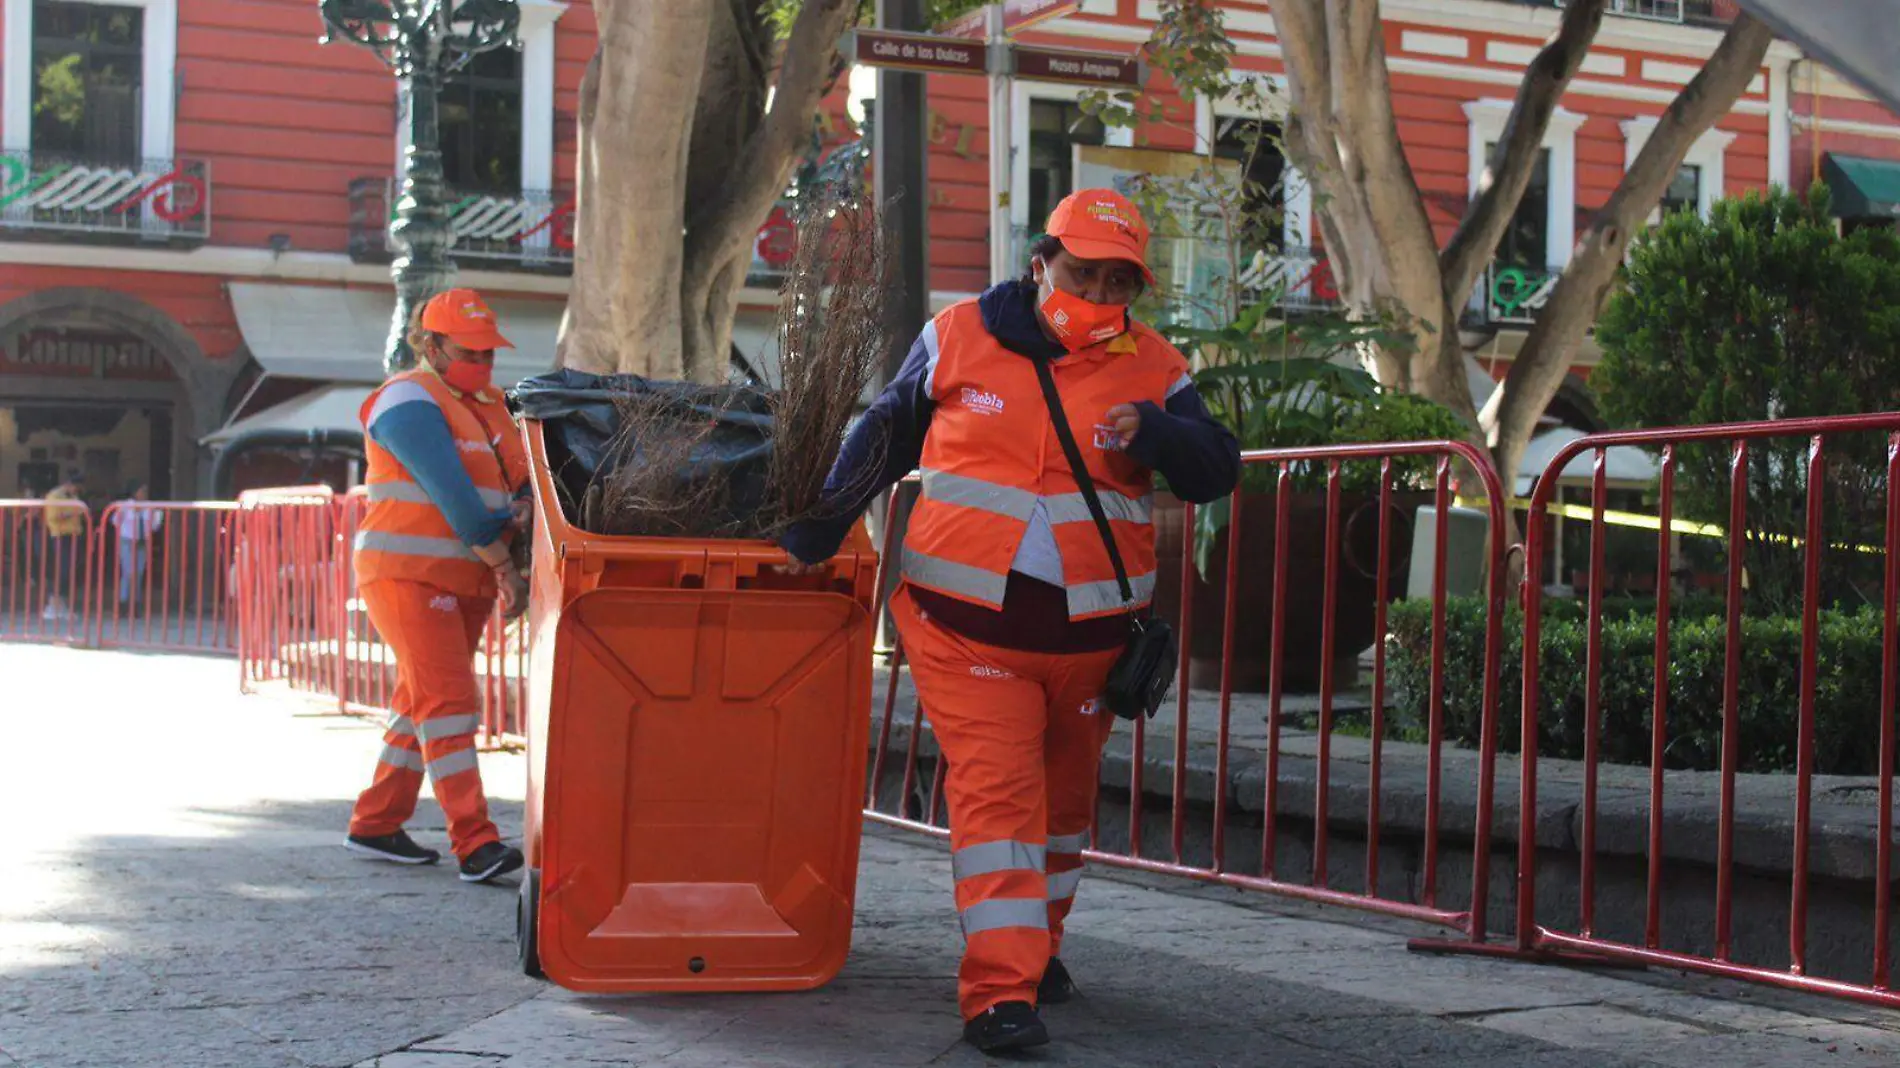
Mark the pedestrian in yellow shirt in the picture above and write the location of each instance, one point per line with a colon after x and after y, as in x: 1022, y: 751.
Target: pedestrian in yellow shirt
x: 66, y: 522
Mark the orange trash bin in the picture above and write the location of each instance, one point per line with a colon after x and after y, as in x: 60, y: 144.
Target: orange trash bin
x: 697, y: 739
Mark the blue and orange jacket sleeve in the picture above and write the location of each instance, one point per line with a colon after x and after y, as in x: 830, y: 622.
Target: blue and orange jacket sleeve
x: 1195, y: 452
x: 406, y: 421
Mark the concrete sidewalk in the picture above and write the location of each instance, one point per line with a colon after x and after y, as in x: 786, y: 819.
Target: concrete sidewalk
x: 175, y: 895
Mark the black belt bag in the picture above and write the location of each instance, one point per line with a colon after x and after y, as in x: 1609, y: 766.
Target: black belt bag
x: 1140, y: 679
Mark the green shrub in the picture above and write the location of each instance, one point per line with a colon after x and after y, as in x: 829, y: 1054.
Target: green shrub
x: 1847, y: 698
x: 1763, y: 311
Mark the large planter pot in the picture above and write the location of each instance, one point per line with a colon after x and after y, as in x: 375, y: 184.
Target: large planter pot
x: 1355, y: 585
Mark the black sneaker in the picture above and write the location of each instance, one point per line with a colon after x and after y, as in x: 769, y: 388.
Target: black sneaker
x: 1056, y: 986
x: 489, y: 861
x: 1010, y: 1025
x: 397, y: 848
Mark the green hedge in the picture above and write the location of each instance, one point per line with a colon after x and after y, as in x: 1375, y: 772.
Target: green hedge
x: 1847, y: 701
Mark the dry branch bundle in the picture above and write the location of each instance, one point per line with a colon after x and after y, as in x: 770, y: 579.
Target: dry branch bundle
x: 664, y: 471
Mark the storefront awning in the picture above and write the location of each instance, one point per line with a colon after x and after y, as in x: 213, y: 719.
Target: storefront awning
x: 325, y: 408
x: 1862, y: 188
x: 337, y: 335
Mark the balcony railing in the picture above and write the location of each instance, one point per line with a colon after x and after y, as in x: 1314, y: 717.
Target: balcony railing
x: 1513, y: 295
x: 161, y: 201
x: 1692, y: 12
x: 532, y: 231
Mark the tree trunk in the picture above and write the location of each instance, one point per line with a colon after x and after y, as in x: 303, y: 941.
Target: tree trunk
x: 680, y: 161
x: 1578, y: 297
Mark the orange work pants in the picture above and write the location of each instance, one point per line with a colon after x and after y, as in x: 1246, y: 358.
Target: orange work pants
x: 434, y: 713
x: 1023, y: 735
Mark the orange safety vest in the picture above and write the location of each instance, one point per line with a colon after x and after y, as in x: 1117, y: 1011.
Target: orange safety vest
x: 403, y: 534
x: 992, y: 456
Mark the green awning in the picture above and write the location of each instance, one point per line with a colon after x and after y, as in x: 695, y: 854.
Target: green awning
x: 1863, y: 188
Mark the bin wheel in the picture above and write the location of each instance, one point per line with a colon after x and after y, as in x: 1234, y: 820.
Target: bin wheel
x: 527, y: 912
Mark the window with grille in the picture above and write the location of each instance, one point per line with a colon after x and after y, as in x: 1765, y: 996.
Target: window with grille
x: 480, y: 125
x: 1685, y: 190
x: 87, y: 65
x: 1526, y: 241
x: 1255, y: 145
x: 1055, y: 128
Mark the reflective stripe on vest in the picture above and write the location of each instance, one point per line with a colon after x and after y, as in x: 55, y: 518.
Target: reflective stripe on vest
x: 991, y: 470
x: 411, y: 493
x: 1084, y: 598
x: 959, y: 580
x: 976, y: 493
x: 1094, y: 598
x: 966, y: 492
x: 381, y: 541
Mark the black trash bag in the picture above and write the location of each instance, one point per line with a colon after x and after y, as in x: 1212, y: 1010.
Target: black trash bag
x: 715, y: 441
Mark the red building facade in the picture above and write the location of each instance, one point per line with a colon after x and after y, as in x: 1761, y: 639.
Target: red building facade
x: 194, y: 194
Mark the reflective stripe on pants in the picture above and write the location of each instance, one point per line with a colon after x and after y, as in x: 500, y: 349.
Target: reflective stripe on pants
x: 434, y: 713
x: 1024, y: 745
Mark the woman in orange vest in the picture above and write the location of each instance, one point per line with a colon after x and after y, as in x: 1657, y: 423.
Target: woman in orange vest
x: 448, y: 482
x: 1010, y: 609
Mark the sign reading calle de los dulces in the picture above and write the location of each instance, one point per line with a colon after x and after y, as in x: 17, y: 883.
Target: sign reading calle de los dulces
x: 921, y: 51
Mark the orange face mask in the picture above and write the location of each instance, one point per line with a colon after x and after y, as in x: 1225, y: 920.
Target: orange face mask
x: 1079, y: 323
x: 468, y: 376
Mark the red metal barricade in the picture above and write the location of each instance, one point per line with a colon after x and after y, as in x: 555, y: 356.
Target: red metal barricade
x: 1322, y: 880
x: 1585, y: 938
x: 160, y: 577
x: 288, y: 576
x: 303, y: 625
x: 143, y: 575
x: 43, y: 574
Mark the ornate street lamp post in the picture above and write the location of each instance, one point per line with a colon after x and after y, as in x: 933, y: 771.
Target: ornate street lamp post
x: 422, y: 41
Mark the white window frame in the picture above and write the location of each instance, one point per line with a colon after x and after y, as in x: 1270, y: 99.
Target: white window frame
x: 158, y: 62
x: 1486, y: 119
x: 1297, y: 217
x: 1709, y: 153
x: 1021, y: 94
x: 537, y: 97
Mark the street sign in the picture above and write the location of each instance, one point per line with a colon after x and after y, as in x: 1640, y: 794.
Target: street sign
x: 921, y: 51
x: 1038, y: 64
x: 1018, y: 15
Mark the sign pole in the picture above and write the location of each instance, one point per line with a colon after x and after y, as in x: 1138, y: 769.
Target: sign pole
x: 1002, y: 86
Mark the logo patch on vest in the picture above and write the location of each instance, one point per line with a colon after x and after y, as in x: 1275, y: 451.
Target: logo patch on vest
x: 981, y: 401
x: 983, y: 671
x: 444, y: 603
x: 1107, y: 438
x: 469, y: 445
x: 1090, y: 706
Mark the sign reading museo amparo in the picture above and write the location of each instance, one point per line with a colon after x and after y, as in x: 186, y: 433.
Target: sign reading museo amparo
x: 1068, y: 65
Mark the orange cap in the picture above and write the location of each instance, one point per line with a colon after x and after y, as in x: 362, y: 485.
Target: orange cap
x: 465, y: 318
x: 1101, y: 224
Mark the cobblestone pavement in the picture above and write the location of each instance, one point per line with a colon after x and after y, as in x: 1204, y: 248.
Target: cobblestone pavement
x: 174, y: 894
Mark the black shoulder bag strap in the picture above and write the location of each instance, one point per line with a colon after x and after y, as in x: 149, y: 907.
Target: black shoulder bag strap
x: 1079, y: 468
x: 1141, y: 677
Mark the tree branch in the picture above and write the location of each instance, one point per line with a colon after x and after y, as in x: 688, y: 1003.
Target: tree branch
x: 1578, y: 297
x: 806, y: 70
x: 1508, y: 172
